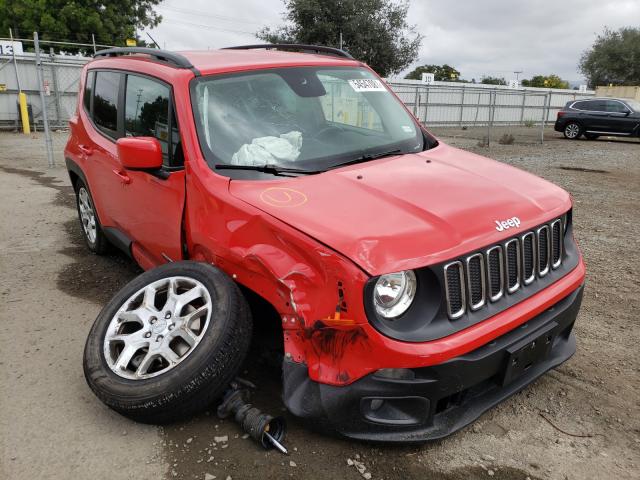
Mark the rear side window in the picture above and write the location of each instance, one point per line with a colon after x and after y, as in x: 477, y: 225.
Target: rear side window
x: 591, y: 106
x: 617, y: 107
x: 147, y: 104
x: 88, y: 89
x: 105, y: 102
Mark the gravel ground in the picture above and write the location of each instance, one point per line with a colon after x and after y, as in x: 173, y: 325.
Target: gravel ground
x: 579, y: 421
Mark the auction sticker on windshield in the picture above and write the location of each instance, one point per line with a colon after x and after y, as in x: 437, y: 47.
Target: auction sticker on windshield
x: 367, y: 85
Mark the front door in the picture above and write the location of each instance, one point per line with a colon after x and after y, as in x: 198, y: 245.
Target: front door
x: 152, y: 203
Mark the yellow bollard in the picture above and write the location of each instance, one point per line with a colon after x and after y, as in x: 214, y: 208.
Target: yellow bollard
x: 22, y: 99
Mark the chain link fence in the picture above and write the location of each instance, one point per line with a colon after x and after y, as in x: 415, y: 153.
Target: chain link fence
x: 484, y: 113
x: 480, y: 113
x: 50, y: 82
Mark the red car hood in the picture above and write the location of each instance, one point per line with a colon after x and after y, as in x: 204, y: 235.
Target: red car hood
x: 411, y: 210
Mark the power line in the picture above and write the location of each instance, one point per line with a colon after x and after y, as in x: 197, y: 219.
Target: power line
x: 200, y: 13
x: 210, y: 27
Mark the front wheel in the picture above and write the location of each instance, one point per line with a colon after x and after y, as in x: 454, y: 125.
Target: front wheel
x: 169, y: 343
x: 572, y: 131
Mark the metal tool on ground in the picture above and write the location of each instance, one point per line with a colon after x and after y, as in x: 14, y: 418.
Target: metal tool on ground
x: 263, y: 428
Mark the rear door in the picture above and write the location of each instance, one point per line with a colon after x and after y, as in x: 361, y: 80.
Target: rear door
x: 99, y: 146
x: 152, y: 203
x: 596, y: 117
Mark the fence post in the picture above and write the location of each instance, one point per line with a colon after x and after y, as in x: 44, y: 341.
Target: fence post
x: 545, y: 114
x: 415, y: 102
x: 461, y: 106
x: 56, y: 91
x: 426, y: 104
x: 524, y: 101
x: 45, y: 119
x: 490, y: 115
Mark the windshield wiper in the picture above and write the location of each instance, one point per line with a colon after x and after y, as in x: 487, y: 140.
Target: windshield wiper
x: 368, y: 157
x: 267, y: 168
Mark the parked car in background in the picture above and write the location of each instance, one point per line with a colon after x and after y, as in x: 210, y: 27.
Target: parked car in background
x: 599, y: 116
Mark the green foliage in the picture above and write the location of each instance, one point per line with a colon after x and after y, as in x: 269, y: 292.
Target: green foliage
x: 111, y: 22
x: 545, y: 81
x: 493, y: 81
x: 441, y: 73
x: 529, y: 123
x: 373, y: 31
x: 614, y: 58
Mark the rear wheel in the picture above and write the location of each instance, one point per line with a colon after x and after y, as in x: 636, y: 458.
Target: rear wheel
x: 91, y: 229
x: 169, y: 343
x: 572, y: 131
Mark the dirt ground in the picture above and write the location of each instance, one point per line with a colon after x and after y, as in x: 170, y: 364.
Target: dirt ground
x: 580, y: 421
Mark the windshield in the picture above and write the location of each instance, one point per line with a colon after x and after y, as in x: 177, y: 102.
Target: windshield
x: 307, y: 118
x: 634, y: 104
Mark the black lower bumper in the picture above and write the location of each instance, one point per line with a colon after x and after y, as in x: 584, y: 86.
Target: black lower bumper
x: 420, y: 404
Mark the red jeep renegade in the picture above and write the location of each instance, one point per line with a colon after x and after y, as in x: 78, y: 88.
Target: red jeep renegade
x: 417, y: 285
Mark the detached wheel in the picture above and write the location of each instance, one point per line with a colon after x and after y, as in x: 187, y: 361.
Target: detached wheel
x: 572, y: 131
x: 169, y: 343
x: 91, y: 228
x: 591, y: 136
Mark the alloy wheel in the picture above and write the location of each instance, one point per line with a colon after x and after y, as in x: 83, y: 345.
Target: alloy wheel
x: 572, y: 130
x: 157, y: 328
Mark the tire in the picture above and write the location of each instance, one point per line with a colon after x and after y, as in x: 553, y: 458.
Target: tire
x: 572, y: 130
x: 89, y: 223
x: 147, y: 390
x: 591, y: 136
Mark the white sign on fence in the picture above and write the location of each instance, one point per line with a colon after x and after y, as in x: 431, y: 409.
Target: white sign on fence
x: 428, y: 78
x: 582, y: 88
x: 514, y: 84
x: 9, y: 48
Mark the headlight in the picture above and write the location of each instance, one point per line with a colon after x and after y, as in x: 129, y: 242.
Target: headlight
x: 394, y: 293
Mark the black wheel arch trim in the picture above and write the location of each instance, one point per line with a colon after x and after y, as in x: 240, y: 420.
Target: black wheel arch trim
x: 118, y: 239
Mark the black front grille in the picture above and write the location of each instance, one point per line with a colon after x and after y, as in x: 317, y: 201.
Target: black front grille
x: 475, y: 270
x: 543, y: 250
x: 512, y: 248
x: 528, y: 259
x: 508, y: 266
x: 495, y: 273
x: 556, y: 243
x: 455, y: 289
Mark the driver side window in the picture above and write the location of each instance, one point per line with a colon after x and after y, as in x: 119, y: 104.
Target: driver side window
x: 149, y: 113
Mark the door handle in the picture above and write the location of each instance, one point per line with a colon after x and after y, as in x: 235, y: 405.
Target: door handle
x: 86, y: 150
x: 123, y: 177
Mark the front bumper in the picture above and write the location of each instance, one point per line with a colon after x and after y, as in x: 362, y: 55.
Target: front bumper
x: 432, y: 402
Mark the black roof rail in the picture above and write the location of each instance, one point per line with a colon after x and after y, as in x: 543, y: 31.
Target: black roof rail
x: 294, y: 46
x: 172, y: 58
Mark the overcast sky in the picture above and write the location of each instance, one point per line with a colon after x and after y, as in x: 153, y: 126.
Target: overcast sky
x: 488, y: 37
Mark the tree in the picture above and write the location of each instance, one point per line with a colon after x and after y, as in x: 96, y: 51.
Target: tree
x: 373, y: 31
x: 493, y: 81
x: 613, y: 58
x: 545, y: 81
x: 110, y: 22
x: 441, y: 73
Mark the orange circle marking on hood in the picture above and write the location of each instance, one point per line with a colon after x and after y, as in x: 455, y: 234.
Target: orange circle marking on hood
x: 283, y: 197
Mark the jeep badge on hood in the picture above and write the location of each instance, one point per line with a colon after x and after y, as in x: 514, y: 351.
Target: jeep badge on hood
x: 508, y: 223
